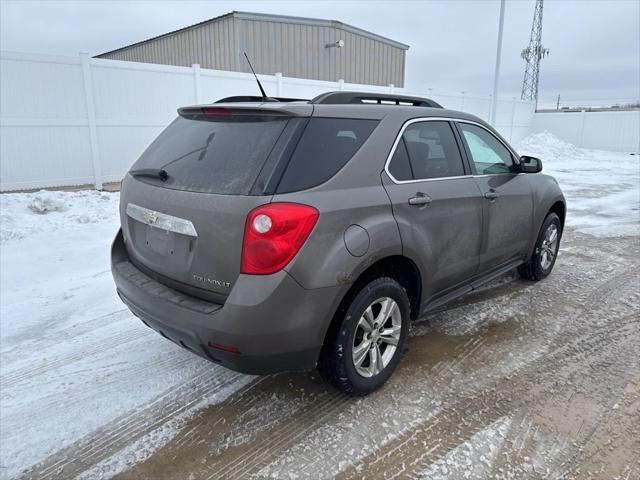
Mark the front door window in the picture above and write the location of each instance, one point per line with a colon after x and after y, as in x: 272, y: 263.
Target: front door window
x: 489, y: 155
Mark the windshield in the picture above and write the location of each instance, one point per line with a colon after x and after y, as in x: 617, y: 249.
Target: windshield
x: 212, y: 154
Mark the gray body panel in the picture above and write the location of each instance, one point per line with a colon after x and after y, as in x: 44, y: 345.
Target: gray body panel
x: 445, y: 247
x: 458, y: 241
x: 508, y: 225
x: 214, y: 255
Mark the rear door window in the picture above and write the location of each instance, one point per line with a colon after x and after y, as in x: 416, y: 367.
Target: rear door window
x: 426, y: 150
x: 400, y: 166
x: 325, y: 147
x: 221, y: 155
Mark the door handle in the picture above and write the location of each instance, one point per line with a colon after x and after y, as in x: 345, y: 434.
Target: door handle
x: 491, y: 195
x: 420, y: 199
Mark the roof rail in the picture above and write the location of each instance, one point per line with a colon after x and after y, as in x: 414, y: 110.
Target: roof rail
x: 253, y: 99
x: 373, y: 98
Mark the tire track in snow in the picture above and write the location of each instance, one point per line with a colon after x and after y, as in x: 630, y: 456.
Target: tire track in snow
x: 237, y: 438
x: 411, y: 453
x: 11, y: 356
x: 104, y: 442
x: 536, y: 336
x: 279, y: 440
x: 81, y: 351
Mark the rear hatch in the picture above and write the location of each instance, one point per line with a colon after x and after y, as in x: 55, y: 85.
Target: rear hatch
x: 184, y: 203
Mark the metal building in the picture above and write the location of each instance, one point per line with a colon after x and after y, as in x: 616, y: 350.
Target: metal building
x: 297, y: 47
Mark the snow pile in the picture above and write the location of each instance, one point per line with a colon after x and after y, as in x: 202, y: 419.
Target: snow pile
x: 25, y: 214
x: 45, y: 201
x: 549, y: 146
x: 602, y: 188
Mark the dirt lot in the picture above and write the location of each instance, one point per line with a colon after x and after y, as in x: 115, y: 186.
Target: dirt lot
x: 519, y: 380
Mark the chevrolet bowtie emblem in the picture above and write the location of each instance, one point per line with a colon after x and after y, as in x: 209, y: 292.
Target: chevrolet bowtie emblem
x: 150, y: 217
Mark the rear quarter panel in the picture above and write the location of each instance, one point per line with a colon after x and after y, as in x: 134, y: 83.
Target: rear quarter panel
x: 354, y: 196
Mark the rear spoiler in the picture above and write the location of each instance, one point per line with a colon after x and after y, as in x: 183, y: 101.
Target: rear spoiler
x: 243, y: 109
x: 254, y: 99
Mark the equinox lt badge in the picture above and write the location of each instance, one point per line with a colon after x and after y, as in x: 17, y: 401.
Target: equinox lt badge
x: 211, y: 281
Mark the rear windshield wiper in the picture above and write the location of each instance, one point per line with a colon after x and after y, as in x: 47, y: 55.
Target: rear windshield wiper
x: 151, y: 172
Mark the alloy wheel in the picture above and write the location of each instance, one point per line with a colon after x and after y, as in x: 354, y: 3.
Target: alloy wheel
x: 376, y: 337
x: 549, y: 247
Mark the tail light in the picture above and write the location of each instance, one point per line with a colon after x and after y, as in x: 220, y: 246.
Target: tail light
x: 214, y: 111
x: 274, y: 234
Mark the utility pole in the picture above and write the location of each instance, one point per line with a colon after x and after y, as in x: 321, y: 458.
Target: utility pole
x: 558, y: 103
x: 496, y: 73
x: 532, y: 55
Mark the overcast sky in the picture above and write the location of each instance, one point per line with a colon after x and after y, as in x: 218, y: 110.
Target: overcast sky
x: 594, y: 44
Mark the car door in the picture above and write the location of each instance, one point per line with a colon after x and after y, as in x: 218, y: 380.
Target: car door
x: 436, y: 203
x: 508, y: 202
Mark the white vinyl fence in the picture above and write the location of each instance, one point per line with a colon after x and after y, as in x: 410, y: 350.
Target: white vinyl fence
x: 617, y: 131
x: 78, y: 120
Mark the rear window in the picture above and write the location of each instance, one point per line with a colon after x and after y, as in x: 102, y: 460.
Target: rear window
x: 213, y: 155
x: 325, y: 147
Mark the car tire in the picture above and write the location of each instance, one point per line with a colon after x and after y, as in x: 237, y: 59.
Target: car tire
x: 545, y: 252
x: 359, y: 354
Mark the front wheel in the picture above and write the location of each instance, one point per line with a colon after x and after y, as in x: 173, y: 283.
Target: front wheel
x: 546, y: 250
x: 365, y: 348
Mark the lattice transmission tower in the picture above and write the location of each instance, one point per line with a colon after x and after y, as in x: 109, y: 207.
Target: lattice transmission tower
x: 532, y: 55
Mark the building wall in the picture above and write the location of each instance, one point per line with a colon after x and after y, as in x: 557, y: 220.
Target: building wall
x: 212, y: 45
x: 296, y: 49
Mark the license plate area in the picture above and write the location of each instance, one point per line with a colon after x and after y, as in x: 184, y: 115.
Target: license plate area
x: 160, y: 241
x: 168, y: 253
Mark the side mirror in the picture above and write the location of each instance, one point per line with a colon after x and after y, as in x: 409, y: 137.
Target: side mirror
x: 530, y: 164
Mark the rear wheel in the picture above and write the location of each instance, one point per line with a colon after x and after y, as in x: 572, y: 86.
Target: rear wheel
x: 546, y: 250
x: 365, y: 348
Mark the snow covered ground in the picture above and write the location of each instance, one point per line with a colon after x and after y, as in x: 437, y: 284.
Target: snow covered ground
x: 72, y: 357
x: 73, y: 360
x: 602, y: 188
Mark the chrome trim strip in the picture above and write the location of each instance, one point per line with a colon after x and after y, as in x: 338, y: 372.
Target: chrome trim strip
x: 161, y: 220
x: 435, y: 119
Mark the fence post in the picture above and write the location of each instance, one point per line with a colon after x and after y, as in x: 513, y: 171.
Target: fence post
x: 341, y: 84
x: 638, y: 150
x: 197, y: 86
x: 583, y: 115
x: 91, y: 120
x: 279, y: 84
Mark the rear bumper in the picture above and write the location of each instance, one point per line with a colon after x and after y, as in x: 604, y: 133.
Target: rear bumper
x: 274, y: 324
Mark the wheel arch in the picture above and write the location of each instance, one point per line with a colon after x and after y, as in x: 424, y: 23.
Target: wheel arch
x: 400, y: 268
x: 560, y: 209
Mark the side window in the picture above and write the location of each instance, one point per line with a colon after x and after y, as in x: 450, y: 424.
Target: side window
x: 489, y: 155
x: 326, y: 145
x: 427, y: 150
x: 400, y: 167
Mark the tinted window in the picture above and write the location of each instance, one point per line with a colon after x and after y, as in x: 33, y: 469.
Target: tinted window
x: 400, y: 167
x: 432, y: 152
x: 325, y: 147
x: 488, y: 153
x: 213, y: 155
